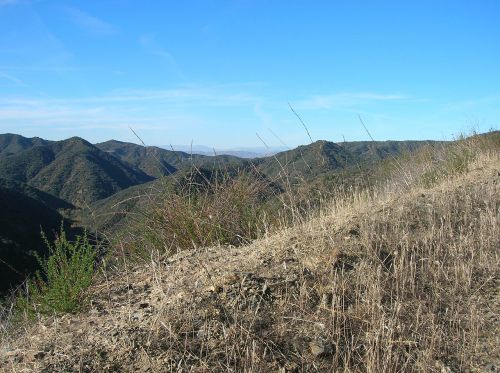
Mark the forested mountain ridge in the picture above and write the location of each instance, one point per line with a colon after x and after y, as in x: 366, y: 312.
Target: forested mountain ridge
x: 73, y: 169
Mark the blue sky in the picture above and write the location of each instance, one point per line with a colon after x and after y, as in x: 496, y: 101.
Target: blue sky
x: 218, y: 72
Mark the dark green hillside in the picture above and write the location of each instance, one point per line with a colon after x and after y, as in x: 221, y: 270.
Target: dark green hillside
x: 369, y: 151
x: 21, y: 220
x: 306, y: 161
x: 158, y: 162
x: 151, y: 160
x: 25, y: 165
x: 12, y: 144
x: 47, y: 199
x: 323, y: 157
x: 73, y: 170
x: 110, y: 214
x: 109, y: 187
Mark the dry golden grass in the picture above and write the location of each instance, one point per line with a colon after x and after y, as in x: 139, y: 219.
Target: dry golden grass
x: 400, y: 278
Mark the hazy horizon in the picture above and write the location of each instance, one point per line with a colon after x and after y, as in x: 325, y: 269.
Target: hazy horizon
x: 218, y: 73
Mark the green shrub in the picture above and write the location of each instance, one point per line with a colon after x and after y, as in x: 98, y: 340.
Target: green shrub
x: 64, y: 276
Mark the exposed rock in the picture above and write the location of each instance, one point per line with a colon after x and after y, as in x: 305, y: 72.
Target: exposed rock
x: 320, y: 348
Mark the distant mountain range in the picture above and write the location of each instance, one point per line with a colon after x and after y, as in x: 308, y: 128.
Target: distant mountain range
x: 156, y: 162
x: 43, y: 182
x: 243, y: 152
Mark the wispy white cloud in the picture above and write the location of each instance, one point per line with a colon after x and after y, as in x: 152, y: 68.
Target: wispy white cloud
x: 30, y: 69
x: 471, y: 104
x: 9, y: 2
x: 32, y: 46
x: 141, y: 109
x: 264, y: 116
x: 151, y: 45
x: 55, y: 118
x: 13, y: 79
x: 186, y: 96
x: 184, y: 110
x: 90, y: 23
x: 18, y: 82
x: 338, y: 100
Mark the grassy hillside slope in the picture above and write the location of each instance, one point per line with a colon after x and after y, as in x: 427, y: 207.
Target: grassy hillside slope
x: 401, y: 277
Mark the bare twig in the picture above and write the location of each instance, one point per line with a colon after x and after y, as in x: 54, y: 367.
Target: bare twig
x: 301, y: 121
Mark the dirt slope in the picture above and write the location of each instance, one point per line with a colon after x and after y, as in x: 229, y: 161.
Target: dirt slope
x: 388, y: 282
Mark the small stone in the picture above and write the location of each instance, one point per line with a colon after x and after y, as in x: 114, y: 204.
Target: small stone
x: 200, y: 333
x: 443, y: 368
x: 317, y: 348
x: 94, y: 312
x: 137, y: 316
x: 326, y: 300
x: 354, y: 231
x: 319, y: 326
x: 39, y: 355
x: 231, y: 279
x: 291, y: 367
x: 11, y: 353
x: 491, y: 368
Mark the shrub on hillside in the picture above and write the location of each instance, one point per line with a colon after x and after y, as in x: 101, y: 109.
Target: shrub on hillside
x: 64, y: 276
x: 221, y: 210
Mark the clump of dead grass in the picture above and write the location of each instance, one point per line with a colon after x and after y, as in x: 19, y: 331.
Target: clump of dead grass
x: 201, y: 211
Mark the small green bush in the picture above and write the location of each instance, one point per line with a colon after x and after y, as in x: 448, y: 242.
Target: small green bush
x: 64, y: 276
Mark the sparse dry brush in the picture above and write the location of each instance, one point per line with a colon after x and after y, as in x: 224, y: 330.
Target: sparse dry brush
x: 400, y: 277
x: 200, y: 211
